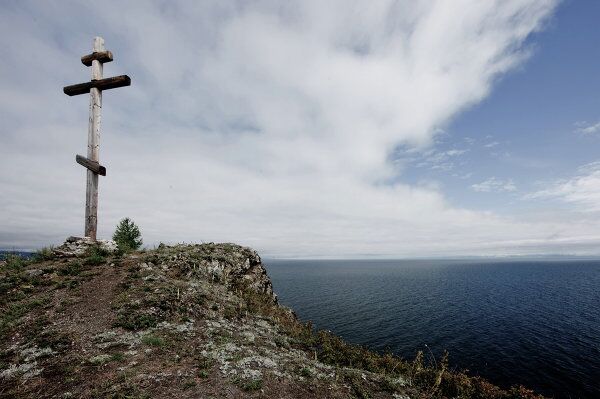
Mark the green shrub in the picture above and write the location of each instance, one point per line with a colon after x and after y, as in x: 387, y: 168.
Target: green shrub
x: 117, y: 357
x: 46, y: 253
x: 205, y: 364
x: 10, y: 316
x: 95, y: 256
x: 305, y: 372
x: 253, y: 385
x: 72, y: 269
x: 15, y: 263
x: 127, y: 236
x: 203, y: 374
x: 130, y: 318
x: 153, y: 340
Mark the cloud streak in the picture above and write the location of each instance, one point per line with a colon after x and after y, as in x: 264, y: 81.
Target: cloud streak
x: 491, y: 144
x: 588, y: 128
x: 494, y: 185
x: 581, y: 190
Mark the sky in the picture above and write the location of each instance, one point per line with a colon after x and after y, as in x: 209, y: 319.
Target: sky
x: 310, y: 129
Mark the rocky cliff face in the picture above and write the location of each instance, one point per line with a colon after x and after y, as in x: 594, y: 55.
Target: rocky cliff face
x: 230, y: 264
x: 185, y: 321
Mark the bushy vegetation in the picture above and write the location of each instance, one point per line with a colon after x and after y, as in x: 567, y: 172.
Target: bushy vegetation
x: 15, y: 281
x: 46, y: 253
x: 131, y: 317
x: 71, y: 269
x: 152, y: 340
x: 13, y: 312
x: 127, y: 236
x: 95, y: 256
x: 253, y: 385
x: 14, y: 262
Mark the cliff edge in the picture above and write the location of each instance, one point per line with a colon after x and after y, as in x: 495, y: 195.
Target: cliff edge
x: 184, y: 321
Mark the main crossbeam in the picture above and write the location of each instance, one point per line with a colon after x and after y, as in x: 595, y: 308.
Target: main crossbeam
x: 100, y: 84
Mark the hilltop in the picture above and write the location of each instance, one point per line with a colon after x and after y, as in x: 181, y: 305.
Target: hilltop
x: 185, y: 321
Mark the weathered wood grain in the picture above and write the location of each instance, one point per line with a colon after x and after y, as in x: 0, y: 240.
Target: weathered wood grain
x: 102, y: 56
x: 91, y: 165
x: 100, y: 84
x: 91, y: 203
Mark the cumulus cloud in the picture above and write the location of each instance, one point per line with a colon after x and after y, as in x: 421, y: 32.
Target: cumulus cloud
x: 266, y: 123
x: 494, y: 185
x: 581, y: 190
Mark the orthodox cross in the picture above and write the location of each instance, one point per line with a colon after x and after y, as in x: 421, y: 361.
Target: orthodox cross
x: 95, y: 87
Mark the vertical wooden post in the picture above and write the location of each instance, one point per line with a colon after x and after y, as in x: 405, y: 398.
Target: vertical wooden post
x: 91, y: 200
x: 95, y: 60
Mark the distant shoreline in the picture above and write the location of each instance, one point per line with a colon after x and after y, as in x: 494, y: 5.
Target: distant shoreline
x: 507, y: 258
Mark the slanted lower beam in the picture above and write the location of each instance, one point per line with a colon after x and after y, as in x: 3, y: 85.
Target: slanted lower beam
x: 91, y: 165
x: 100, y: 84
x: 102, y: 56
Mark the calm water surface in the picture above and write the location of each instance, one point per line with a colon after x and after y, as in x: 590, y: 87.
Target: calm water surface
x: 534, y: 323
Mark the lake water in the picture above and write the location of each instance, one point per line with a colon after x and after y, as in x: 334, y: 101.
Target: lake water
x: 535, y: 323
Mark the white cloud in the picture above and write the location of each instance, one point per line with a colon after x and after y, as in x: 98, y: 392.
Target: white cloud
x: 463, y: 176
x: 494, y: 185
x: 264, y: 123
x: 453, y: 153
x: 581, y: 190
x: 491, y: 144
x: 588, y: 128
x: 435, y: 159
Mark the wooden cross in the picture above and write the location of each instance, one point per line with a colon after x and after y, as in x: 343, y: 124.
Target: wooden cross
x: 98, y: 57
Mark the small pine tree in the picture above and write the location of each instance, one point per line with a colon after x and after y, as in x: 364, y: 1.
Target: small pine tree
x: 127, y: 235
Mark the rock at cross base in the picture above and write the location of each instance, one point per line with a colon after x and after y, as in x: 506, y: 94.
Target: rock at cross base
x: 78, y: 246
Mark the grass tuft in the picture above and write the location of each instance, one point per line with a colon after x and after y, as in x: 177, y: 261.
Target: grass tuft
x: 46, y: 253
x: 71, y: 269
x: 135, y: 321
x: 95, y: 256
x: 153, y: 340
x: 253, y: 385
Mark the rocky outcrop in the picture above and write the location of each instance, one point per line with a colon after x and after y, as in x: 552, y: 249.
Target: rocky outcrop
x: 227, y: 263
x: 79, y: 246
